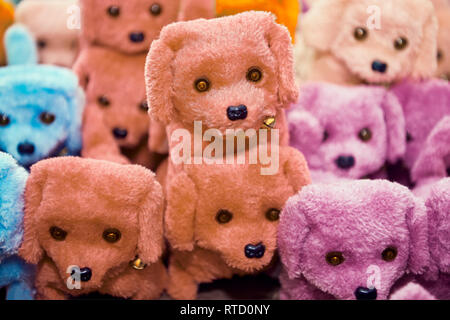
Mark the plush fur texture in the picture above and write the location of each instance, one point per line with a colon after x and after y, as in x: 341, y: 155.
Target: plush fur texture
x: 6, y: 19
x: 329, y: 27
x: 359, y: 219
x: 204, y: 249
x: 442, y: 8
x: 412, y: 291
x: 85, y: 197
x: 14, y: 273
x: 325, y: 124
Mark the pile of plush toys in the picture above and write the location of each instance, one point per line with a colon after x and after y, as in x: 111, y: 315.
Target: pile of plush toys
x: 344, y: 104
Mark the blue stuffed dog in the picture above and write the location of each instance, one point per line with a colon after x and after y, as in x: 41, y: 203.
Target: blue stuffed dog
x: 15, y: 274
x: 40, y: 106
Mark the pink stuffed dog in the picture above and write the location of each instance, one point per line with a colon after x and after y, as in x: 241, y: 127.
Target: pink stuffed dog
x: 370, y: 41
x: 351, y: 240
x: 349, y: 132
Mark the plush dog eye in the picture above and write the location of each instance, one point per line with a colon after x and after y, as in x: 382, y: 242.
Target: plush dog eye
x: 156, y: 9
x: 360, y: 34
x: 202, y: 85
x: 254, y: 74
x: 41, y: 43
x: 103, y: 101
x: 440, y: 55
x: 409, y: 137
x: 143, y: 106
x: 112, y: 235
x: 224, y: 216
x: 335, y: 258
x: 389, y: 254
x: 114, y: 11
x: 4, y: 120
x: 400, y: 43
x: 326, y: 135
x: 273, y: 214
x: 47, y: 117
x: 58, y: 233
x: 365, y: 134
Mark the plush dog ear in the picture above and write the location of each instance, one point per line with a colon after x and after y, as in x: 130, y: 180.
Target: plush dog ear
x: 76, y: 105
x: 295, y: 168
x: 20, y: 46
x: 196, y: 9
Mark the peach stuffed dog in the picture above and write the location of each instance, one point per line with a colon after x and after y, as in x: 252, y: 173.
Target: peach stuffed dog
x: 85, y: 223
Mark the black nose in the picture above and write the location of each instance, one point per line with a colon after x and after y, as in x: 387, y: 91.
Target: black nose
x: 137, y: 37
x: 237, y: 113
x: 379, y: 66
x: 25, y: 148
x: 345, y: 162
x: 366, y: 294
x: 85, y: 274
x: 120, y: 133
x: 257, y: 251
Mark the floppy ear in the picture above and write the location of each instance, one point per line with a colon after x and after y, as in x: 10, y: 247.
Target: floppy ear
x: 196, y: 9
x: 180, y: 212
x: 295, y: 168
x: 20, y: 46
x: 76, y: 105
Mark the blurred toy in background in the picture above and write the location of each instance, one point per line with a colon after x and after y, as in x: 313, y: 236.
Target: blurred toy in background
x: 208, y: 203
x: 6, y: 19
x: 15, y: 274
x: 109, y: 235
x: 40, y: 106
x: 352, y: 46
x: 351, y: 240
x: 47, y: 21
x: 443, y: 15
x: 347, y: 132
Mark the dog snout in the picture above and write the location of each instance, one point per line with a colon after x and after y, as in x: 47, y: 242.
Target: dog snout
x: 137, y: 37
x: 85, y: 274
x: 379, y: 66
x: 345, y: 162
x: 26, y: 148
x: 255, y: 251
x: 120, y: 133
x: 237, y: 113
x: 363, y: 293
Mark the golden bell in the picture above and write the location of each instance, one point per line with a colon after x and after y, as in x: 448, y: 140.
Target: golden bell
x: 269, y: 123
x: 137, y: 264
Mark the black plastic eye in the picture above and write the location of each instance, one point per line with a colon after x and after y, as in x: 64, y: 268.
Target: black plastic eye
x: 273, y: 214
x: 143, y: 106
x: 224, y: 216
x: 41, y: 43
x: 112, y: 235
x: 47, y: 117
x: 202, y: 85
x: 58, y: 233
x: 335, y: 258
x: 409, y: 137
x: 114, y: 11
x: 254, y: 74
x: 360, y: 33
x: 389, y: 254
x: 400, y: 43
x: 326, y: 135
x: 365, y: 135
x: 4, y: 120
x: 156, y: 9
x: 103, y: 101
x: 440, y: 55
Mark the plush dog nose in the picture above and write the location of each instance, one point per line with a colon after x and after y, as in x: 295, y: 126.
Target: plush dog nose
x: 237, y: 113
x: 345, y: 162
x: 120, y: 133
x: 257, y: 251
x: 366, y: 294
x: 137, y: 37
x: 379, y: 66
x: 85, y: 274
x: 25, y: 148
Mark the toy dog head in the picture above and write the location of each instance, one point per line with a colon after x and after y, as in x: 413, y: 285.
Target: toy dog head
x: 6, y: 19
x: 342, y: 237
x: 209, y: 207
x: 47, y: 20
x: 370, y: 37
x: 12, y: 185
x: 129, y: 26
x: 349, y: 131
x: 443, y: 56
x: 40, y: 106
x: 230, y: 72
x: 74, y: 220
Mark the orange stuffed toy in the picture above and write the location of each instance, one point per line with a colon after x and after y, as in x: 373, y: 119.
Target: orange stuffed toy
x: 6, y: 19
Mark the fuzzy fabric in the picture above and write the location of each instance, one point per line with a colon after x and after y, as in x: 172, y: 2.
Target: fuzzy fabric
x: 6, y: 19
x: 329, y: 28
x: 14, y: 273
x: 204, y: 248
x: 443, y: 16
x: 356, y: 220
x: 85, y: 198
x: 412, y: 291
x: 47, y: 21
x: 328, y: 133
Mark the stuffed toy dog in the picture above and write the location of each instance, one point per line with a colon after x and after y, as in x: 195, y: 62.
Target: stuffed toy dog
x: 366, y: 41
x: 349, y: 132
x: 14, y: 273
x: 351, y: 240
x: 443, y: 15
x: 221, y: 220
x: 40, y: 106
x: 6, y: 19
x: 105, y: 237
x: 47, y: 21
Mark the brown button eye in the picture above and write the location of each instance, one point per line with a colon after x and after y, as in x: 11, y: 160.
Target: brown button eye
x: 156, y: 9
x: 114, y: 11
x: 360, y: 34
x: 273, y: 214
x: 112, y: 235
x: 41, y: 43
x: 224, y: 216
x: 389, y: 254
x: 254, y: 74
x: 143, y: 106
x: 335, y: 258
x: 103, y: 101
x: 400, y: 43
x: 58, y: 233
x: 202, y: 85
x: 47, y: 118
x: 365, y: 135
x: 4, y: 120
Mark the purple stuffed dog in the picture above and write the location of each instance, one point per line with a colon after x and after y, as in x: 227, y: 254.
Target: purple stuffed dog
x: 347, y: 131
x: 352, y: 239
